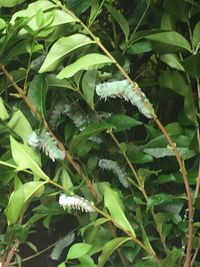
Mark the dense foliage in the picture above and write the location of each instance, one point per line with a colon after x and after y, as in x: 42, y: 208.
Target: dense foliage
x: 99, y: 135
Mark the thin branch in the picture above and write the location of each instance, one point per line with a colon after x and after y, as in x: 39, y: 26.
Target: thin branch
x: 37, y: 115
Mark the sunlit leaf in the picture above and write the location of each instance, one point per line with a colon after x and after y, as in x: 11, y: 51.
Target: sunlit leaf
x: 116, y: 209
x: 87, y: 62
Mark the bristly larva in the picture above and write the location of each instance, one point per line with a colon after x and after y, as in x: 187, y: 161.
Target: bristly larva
x: 124, y: 89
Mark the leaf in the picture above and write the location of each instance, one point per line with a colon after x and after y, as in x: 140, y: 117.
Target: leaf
x: 10, y: 3
x: 78, y: 250
x: 87, y: 62
x: 19, y: 122
x: 92, y: 129
x: 62, y: 244
x: 55, y: 82
x: 181, y: 6
x: 159, y: 199
x: 172, y: 60
x: 109, y: 248
x: 116, y: 209
x: 159, y: 148
x: 122, y: 122
x: 78, y: 6
x: 140, y: 47
x: 19, y: 198
x: 170, y: 38
x: 26, y: 158
x: 192, y: 65
x: 172, y: 258
x: 174, y: 80
x: 195, y: 35
x: 37, y: 93
x: 3, y: 112
x: 32, y: 9
x: 120, y: 19
x: 2, y: 24
x: 146, y: 263
x: 88, y: 86
x: 63, y: 47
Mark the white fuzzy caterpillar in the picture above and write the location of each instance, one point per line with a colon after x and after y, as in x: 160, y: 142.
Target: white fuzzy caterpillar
x: 124, y: 89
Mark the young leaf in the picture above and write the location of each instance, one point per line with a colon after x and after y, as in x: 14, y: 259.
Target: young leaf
x: 109, y: 248
x: 37, y: 93
x: 19, y: 122
x: 120, y: 19
x: 26, y: 158
x: 78, y: 250
x: 116, y: 209
x: 63, y: 47
x: 3, y: 112
x: 88, y: 62
x: 32, y: 9
x: 10, y: 3
x: 20, y: 197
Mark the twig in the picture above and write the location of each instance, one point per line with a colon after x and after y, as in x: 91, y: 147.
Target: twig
x: 37, y: 115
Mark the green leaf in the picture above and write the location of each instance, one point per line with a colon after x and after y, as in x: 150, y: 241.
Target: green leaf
x: 26, y: 158
x: 172, y: 60
x: 88, y: 86
x: 19, y: 122
x: 192, y: 65
x: 175, y: 81
x: 62, y: 244
x: 172, y: 259
x: 179, y: 9
x: 37, y: 93
x: 170, y: 38
x: 78, y: 250
x: 19, y: 198
x: 196, y: 35
x: 146, y: 263
x: 63, y: 47
x: 32, y: 9
x: 10, y: 3
x: 120, y: 19
x: 55, y: 82
x: 2, y: 24
x: 116, y: 209
x: 3, y: 112
x: 159, y: 199
x: 140, y: 47
x: 87, y: 62
x: 92, y: 129
x: 159, y: 148
x: 109, y: 248
x: 122, y: 122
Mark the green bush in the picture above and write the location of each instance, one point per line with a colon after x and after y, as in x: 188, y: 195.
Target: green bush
x: 79, y: 135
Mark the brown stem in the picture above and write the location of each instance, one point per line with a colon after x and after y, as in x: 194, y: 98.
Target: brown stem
x: 11, y: 254
x: 187, y: 188
x: 142, y: 189
x: 37, y: 115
